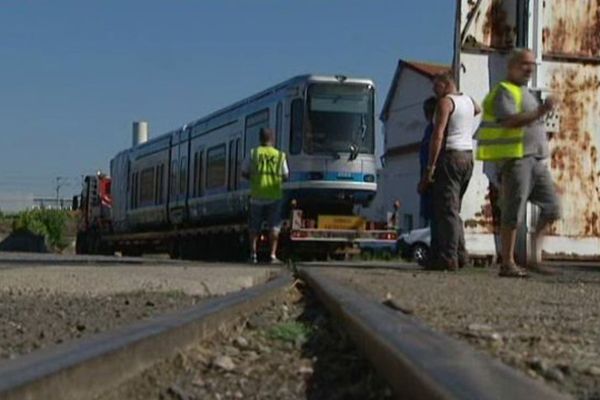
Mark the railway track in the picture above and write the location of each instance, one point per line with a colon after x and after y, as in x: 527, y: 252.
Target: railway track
x: 416, y: 362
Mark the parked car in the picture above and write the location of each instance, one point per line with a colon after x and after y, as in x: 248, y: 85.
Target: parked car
x: 414, y: 245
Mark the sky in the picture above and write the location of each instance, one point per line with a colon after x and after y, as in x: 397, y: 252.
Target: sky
x: 75, y: 74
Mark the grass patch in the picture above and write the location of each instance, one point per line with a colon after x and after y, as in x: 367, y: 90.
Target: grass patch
x: 292, y: 332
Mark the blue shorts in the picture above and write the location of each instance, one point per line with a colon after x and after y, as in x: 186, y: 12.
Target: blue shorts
x: 268, y: 214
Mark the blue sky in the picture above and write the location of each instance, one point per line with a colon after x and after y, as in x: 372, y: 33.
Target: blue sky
x: 75, y: 74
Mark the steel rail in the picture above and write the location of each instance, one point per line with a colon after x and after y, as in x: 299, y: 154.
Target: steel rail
x: 84, y: 368
x: 418, y: 362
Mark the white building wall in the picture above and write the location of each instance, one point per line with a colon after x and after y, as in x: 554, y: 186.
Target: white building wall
x: 404, y: 126
x: 402, y: 177
x: 397, y: 181
x: 406, y: 123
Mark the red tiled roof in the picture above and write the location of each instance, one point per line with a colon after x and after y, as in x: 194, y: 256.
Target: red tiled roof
x: 423, y: 68
x: 427, y: 68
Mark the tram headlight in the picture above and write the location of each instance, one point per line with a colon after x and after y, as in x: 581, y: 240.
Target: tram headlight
x: 369, y: 178
x: 316, y: 176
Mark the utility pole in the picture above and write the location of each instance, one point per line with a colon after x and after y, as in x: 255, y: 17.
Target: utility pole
x: 60, y: 182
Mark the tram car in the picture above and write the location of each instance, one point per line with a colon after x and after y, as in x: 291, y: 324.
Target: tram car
x: 191, y: 175
x: 182, y: 192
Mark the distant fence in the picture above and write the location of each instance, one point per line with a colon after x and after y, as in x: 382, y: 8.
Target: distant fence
x: 53, y: 203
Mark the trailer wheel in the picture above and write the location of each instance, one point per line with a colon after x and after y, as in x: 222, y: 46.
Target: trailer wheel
x: 284, y: 246
x: 174, y: 249
x: 132, y: 251
x: 81, y: 243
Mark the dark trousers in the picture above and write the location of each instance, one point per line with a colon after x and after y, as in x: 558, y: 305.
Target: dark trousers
x: 452, y: 175
x: 494, y: 195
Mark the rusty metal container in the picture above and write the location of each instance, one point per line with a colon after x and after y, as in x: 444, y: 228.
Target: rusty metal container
x: 565, y: 34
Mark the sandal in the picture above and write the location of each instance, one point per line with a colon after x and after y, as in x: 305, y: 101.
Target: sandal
x: 512, y: 271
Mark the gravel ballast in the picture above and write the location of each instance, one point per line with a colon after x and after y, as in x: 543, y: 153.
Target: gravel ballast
x: 547, y: 326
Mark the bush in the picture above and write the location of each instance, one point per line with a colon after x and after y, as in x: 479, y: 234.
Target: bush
x: 49, y: 223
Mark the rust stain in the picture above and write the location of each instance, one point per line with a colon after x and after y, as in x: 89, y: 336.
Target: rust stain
x: 493, y: 25
x: 484, y: 219
x: 574, y: 158
x: 572, y: 27
x: 497, y: 32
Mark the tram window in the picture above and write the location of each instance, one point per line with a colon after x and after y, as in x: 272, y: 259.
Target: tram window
x: 296, y: 126
x: 132, y: 176
x: 174, y: 178
x: 254, y: 122
x: 147, y: 186
x: 238, y: 162
x: 162, y: 183
x: 216, y: 167
x: 160, y: 170
x: 199, y: 172
x: 183, y: 175
x: 134, y: 191
x: 195, y: 187
x: 278, y: 124
x: 231, y: 166
x: 156, y: 184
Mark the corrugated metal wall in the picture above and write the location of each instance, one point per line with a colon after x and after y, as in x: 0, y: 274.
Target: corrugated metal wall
x: 571, y: 70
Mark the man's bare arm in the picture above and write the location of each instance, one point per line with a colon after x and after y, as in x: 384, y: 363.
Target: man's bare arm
x: 525, y: 118
x: 442, y: 115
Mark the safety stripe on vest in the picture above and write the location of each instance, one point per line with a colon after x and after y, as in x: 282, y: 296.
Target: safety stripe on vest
x: 492, y: 131
x: 502, y: 140
x: 500, y: 151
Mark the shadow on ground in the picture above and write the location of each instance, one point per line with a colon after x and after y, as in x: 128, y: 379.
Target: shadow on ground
x: 24, y: 241
x: 339, y: 370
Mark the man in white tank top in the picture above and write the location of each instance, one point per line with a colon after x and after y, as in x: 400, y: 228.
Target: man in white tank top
x: 449, y: 171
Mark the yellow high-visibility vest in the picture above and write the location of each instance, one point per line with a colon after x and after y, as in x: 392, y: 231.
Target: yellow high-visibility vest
x: 495, y: 142
x: 265, y: 175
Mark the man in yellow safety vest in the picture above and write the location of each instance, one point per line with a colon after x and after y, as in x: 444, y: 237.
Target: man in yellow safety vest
x: 267, y: 169
x: 513, y: 135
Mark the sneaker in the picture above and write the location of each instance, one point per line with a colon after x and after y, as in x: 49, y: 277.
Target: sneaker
x: 253, y: 259
x: 512, y: 271
x: 275, y: 260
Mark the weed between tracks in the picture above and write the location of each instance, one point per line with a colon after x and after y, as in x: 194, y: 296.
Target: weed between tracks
x: 290, y: 350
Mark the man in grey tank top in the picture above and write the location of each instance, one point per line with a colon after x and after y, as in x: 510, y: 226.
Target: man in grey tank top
x: 449, y: 171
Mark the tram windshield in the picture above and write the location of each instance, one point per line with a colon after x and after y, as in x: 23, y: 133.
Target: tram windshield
x: 340, y: 118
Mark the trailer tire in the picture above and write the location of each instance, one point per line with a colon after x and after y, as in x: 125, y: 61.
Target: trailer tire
x: 81, y: 243
x: 131, y: 251
x: 174, y: 251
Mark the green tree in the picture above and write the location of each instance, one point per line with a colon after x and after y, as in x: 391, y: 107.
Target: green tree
x: 50, y: 223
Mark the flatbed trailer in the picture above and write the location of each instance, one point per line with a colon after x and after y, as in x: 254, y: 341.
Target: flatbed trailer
x: 322, y: 237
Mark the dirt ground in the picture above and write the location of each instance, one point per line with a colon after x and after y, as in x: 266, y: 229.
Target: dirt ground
x: 30, y: 320
x: 41, y: 306
x: 546, y: 326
